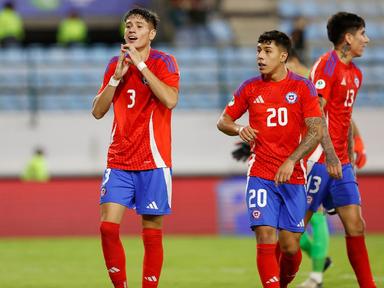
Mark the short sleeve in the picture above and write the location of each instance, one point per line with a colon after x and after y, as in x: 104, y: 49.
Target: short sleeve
x: 108, y: 73
x: 239, y: 103
x: 169, y: 72
x: 310, y: 102
x: 321, y: 76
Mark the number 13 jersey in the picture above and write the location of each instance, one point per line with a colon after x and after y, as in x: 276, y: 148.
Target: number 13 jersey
x: 338, y: 84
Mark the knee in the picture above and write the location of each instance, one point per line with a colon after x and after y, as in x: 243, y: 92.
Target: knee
x: 109, y: 229
x: 289, y: 248
x: 265, y: 235
x: 355, y: 228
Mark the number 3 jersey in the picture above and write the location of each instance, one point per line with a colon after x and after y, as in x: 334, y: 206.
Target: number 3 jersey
x: 141, y: 131
x: 277, y: 110
x: 338, y: 84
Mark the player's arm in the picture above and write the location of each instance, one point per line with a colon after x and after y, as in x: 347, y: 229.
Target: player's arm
x: 103, y: 100
x: 361, y: 157
x: 308, y: 143
x: 228, y: 126
x: 333, y: 163
x: 167, y: 95
x: 351, y: 155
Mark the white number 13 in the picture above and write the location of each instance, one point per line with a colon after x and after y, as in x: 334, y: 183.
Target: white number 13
x: 132, y: 95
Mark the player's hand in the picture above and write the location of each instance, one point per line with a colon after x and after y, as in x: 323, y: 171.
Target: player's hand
x: 284, y: 172
x: 122, y: 64
x: 248, y: 134
x: 133, y: 54
x: 242, y: 152
x: 334, y: 167
x: 361, y: 156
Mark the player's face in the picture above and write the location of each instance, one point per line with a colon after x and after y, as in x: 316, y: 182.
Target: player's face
x: 358, y: 42
x: 138, y: 32
x: 270, y: 57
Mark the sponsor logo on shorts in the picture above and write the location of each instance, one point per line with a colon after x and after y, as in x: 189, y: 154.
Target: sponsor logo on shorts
x: 256, y: 214
x: 152, y: 205
x: 103, y: 191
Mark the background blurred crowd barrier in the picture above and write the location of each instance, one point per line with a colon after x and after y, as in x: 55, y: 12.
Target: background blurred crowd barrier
x: 46, y: 96
x: 201, y: 205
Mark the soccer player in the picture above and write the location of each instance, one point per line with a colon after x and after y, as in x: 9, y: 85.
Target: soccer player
x: 280, y: 103
x: 332, y: 179
x: 142, y: 83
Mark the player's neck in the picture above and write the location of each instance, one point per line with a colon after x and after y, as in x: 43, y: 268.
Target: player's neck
x: 344, y: 57
x: 144, y: 52
x: 277, y: 75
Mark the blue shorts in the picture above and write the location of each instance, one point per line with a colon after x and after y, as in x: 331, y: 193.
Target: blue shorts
x: 147, y: 191
x: 332, y: 193
x: 282, y: 207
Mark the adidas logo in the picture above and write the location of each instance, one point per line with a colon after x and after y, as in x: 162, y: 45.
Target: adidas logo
x: 301, y: 224
x: 272, y: 280
x: 113, y: 270
x: 258, y: 99
x: 343, y: 82
x: 152, y: 205
x: 151, y: 278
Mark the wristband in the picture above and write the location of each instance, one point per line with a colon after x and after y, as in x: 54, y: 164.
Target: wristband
x: 113, y: 82
x: 141, y: 66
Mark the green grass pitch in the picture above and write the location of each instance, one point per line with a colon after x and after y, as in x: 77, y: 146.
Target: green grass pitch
x: 190, y: 262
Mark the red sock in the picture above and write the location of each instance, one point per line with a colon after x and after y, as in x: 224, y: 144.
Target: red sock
x: 153, y: 257
x: 358, y: 257
x: 277, y: 252
x: 113, y: 253
x: 289, y: 265
x: 267, y: 265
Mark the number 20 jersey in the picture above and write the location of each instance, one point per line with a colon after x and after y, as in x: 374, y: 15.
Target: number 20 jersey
x: 338, y: 84
x: 277, y: 110
x: 141, y: 131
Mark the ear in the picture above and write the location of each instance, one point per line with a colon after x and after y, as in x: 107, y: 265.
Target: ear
x: 283, y: 56
x: 348, y: 38
x: 152, y: 34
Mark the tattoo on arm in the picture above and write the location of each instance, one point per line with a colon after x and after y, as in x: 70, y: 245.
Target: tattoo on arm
x: 326, y: 142
x: 310, y: 140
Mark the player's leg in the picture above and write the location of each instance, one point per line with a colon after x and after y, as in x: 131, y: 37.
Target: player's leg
x: 291, y: 225
x: 290, y: 258
x: 153, y: 200
x: 346, y: 197
x: 153, y: 249
x: 355, y: 239
x: 263, y: 205
x: 116, y: 196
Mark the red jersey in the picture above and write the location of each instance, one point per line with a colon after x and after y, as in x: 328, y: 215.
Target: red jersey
x: 337, y: 83
x: 141, y: 131
x: 277, y: 110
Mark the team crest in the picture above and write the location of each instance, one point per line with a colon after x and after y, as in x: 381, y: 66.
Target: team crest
x: 309, y: 199
x: 103, y: 191
x: 256, y: 214
x: 357, y: 82
x: 231, y: 102
x: 320, y: 84
x: 291, y: 97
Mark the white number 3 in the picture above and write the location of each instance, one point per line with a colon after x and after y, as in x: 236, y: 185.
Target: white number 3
x: 132, y: 95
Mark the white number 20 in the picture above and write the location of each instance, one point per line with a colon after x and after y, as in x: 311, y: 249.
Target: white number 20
x: 281, y: 114
x: 132, y: 95
x: 261, y: 195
